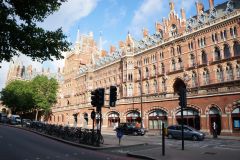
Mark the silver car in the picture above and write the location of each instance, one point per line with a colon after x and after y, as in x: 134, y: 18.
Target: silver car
x: 175, y: 131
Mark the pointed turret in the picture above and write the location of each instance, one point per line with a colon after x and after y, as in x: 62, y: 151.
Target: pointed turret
x: 100, y: 41
x: 171, y: 5
x: 78, y: 40
x: 129, y: 40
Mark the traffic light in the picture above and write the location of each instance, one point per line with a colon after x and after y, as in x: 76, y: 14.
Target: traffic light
x: 113, y: 96
x: 182, y: 97
x: 94, y: 97
x: 101, y: 97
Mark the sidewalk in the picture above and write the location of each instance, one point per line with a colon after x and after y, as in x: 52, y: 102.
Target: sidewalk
x: 157, y: 133
x: 175, y: 153
x: 171, y: 152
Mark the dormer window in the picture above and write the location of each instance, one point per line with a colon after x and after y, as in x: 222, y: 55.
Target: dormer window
x: 174, y: 30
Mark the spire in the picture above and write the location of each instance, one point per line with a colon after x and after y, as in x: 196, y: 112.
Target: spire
x: 93, y: 58
x: 78, y: 37
x: 100, y: 41
x: 129, y: 38
x: 171, y: 4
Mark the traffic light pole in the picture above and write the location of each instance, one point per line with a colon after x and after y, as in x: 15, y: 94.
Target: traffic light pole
x: 182, y: 128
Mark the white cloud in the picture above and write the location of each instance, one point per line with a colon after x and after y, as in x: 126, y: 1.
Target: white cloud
x: 69, y: 13
x: 151, y: 11
x: 112, y: 20
x: 148, y: 12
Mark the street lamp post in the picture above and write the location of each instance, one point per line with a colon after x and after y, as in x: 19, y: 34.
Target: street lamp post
x: 140, y: 73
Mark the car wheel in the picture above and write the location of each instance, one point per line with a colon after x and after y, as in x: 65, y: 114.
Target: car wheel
x: 170, y: 136
x: 194, y: 138
x: 135, y: 133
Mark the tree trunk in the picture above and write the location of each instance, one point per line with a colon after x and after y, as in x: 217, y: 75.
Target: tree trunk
x: 36, y: 117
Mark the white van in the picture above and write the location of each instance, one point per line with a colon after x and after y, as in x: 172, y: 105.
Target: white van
x: 15, y: 119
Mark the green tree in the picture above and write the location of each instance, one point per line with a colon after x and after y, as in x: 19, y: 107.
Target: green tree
x: 17, y: 95
x: 19, y: 32
x: 45, y: 93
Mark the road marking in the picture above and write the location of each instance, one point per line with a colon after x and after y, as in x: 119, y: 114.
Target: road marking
x: 66, y: 155
x: 228, y: 148
x: 204, y: 146
x: 75, y: 154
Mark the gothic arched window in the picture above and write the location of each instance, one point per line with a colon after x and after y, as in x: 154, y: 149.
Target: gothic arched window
x: 236, y: 48
x: 226, y: 51
x: 229, y: 72
x: 173, y: 65
x: 204, y: 57
x: 220, y: 74
x: 155, y: 86
x: 194, y: 79
x: 217, y: 54
x: 147, y: 88
x: 206, y: 77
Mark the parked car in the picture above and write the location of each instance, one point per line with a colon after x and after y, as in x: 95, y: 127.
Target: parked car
x: 26, y: 122
x: 3, y: 118
x: 130, y: 128
x: 175, y: 131
x: 15, y: 119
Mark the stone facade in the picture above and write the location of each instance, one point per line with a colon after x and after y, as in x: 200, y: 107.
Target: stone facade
x: 202, y: 51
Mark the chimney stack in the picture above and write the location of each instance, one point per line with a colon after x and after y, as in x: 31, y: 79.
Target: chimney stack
x: 211, y: 4
x: 112, y: 49
x: 145, y: 32
x: 200, y: 7
x: 183, y: 14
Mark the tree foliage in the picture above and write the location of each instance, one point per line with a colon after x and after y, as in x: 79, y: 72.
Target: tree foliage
x: 18, y: 96
x: 25, y: 96
x: 45, y: 92
x: 20, y: 34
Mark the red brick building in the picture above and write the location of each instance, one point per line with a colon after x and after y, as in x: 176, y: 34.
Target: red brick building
x: 202, y: 51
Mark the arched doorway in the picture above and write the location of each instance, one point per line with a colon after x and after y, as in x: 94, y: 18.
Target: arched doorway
x: 133, y: 116
x: 85, y: 122
x: 156, y: 118
x: 113, y: 119
x: 236, y: 119
x: 190, y: 117
x: 215, y: 116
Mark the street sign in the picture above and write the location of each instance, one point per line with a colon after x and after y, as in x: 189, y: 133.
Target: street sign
x: 119, y: 136
x: 93, y: 114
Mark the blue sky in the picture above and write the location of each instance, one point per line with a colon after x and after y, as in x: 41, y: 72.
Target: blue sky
x: 114, y: 18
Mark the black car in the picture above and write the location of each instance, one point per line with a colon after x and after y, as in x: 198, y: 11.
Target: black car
x: 175, y: 131
x: 130, y: 128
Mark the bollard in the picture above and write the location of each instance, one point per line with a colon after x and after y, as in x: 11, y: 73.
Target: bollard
x: 163, y: 139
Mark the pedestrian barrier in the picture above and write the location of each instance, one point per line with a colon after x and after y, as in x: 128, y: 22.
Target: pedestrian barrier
x: 74, y: 134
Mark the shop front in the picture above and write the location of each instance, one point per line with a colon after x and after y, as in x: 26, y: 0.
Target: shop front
x: 113, y: 119
x: 133, y: 117
x: 156, y: 118
x: 190, y: 117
